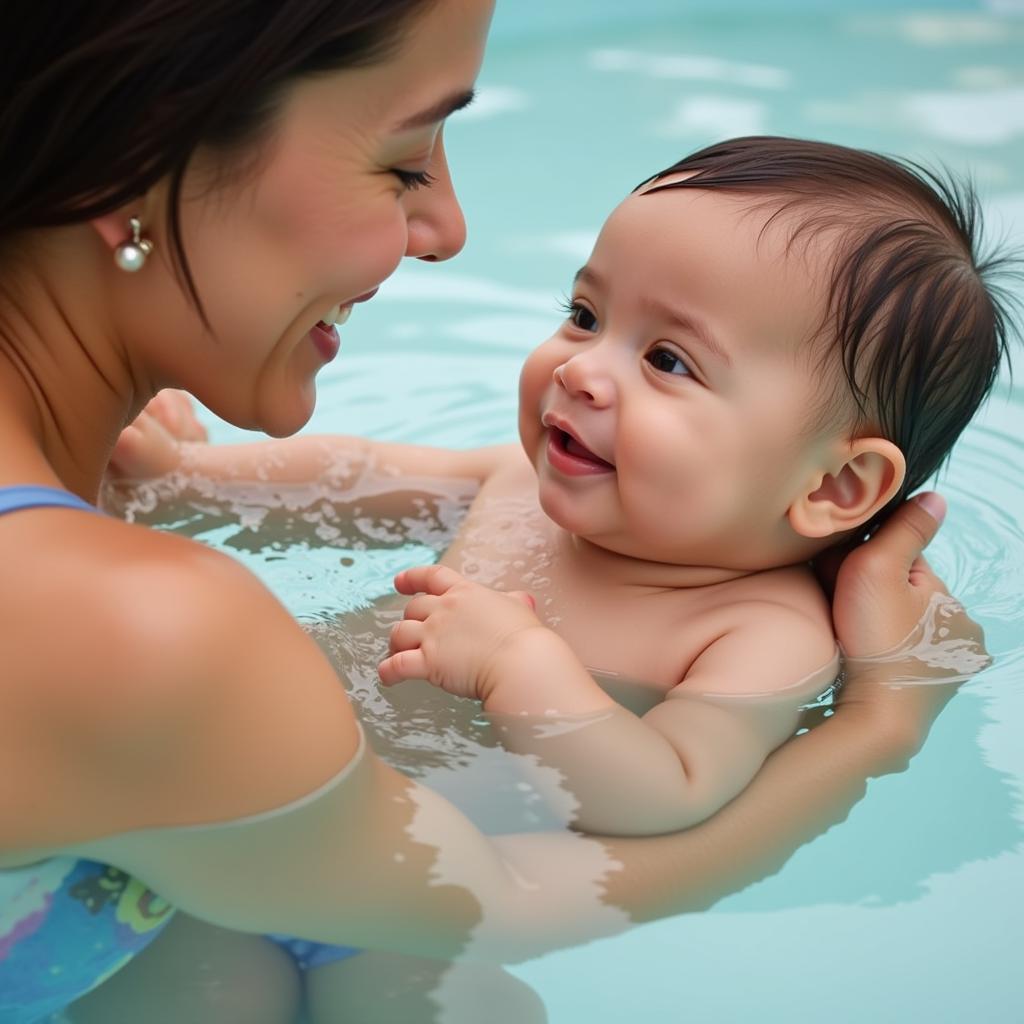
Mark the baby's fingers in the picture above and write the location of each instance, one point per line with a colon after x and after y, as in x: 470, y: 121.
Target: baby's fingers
x: 405, y: 635
x: 402, y: 666
x: 427, y: 579
x: 144, y: 450
x: 421, y: 607
x: 174, y: 410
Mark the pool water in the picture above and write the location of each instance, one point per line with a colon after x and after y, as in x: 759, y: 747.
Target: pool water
x: 913, y: 908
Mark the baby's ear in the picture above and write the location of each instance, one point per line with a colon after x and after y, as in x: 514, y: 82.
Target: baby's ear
x: 864, y: 475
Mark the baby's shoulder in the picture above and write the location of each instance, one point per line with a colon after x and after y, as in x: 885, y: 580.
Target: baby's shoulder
x: 791, y: 589
x: 785, y: 593
x: 787, y: 599
x: 772, y: 632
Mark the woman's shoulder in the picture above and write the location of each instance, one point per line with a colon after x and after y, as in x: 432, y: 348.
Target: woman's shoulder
x: 158, y: 674
x: 111, y: 604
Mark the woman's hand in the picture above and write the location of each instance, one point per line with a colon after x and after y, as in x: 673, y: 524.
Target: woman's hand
x: 151, y: 446
x: 883, y: 590
x: 908, y: 644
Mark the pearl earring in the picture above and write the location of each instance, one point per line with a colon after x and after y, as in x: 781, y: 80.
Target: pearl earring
x: 131, y: 255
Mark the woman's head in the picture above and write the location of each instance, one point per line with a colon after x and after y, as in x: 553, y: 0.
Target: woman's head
x: 260, y: 144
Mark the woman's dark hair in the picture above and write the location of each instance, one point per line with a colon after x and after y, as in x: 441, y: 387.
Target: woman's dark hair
x: 913, y: 316
x: 101, y: 99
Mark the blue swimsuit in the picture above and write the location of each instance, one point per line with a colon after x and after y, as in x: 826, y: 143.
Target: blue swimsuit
x: 65, y: 924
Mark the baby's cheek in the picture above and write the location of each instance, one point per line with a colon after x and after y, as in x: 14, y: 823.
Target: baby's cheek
x: 533, y: 382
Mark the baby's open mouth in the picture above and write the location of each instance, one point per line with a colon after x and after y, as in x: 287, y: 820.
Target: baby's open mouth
x: 568, y: 444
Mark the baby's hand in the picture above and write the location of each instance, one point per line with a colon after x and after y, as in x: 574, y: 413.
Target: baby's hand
x: 455, y: 634
x: 151, y: 445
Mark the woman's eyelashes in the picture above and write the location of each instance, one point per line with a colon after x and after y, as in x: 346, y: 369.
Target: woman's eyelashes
x: 414, y: 179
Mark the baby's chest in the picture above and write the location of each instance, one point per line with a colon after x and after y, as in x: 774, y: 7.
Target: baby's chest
x: 648, y: 639
x: 507, y: 542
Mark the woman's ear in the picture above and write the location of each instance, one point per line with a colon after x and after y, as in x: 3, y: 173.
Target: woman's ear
x: 867, y: 473
x: 112, y: 228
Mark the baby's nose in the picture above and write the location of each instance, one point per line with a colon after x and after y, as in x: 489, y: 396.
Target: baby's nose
x: 585, y: 381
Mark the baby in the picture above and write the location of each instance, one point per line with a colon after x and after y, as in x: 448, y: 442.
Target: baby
x: 771, y: 344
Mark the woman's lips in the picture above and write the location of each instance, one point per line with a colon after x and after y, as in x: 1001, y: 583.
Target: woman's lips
x: 324, y: 334
x: 326, y: 340
x: 569, y: 456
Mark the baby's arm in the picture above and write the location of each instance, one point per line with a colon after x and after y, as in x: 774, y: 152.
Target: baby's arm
x: 167, y: 438
x: 672, y: 768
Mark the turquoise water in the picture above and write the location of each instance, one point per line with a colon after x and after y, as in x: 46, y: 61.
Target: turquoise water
x: 911, y: 909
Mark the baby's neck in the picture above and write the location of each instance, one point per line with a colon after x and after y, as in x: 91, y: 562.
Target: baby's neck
x: 611, y: 567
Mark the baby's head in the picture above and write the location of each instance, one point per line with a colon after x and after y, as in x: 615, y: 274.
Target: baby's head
x: 772, y: 343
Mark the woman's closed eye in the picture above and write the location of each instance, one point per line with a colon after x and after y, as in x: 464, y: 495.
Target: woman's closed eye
x: 667, y: 361
x: 413, y: 179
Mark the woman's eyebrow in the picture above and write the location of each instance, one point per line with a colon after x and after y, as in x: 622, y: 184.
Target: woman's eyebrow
x: 438, y: 112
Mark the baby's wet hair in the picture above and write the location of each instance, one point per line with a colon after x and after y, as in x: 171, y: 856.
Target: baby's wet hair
x: 916, y: 318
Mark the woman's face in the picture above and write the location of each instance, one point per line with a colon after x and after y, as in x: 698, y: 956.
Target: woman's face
x: 328, y: 209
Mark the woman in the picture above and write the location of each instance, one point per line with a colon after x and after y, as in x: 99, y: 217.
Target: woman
x: 197, y: 188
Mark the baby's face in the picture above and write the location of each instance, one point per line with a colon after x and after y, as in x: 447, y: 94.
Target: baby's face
x: 668, y: 416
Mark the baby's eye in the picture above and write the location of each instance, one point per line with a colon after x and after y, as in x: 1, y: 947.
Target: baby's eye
x: 665, y: 360
x: 581, y: 317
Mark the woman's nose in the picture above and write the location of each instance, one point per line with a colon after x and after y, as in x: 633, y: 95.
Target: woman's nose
x: 585, y: 379
x: 436, y: 227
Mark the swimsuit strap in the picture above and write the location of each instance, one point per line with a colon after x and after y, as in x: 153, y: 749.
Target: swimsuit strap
x: 13, y: 499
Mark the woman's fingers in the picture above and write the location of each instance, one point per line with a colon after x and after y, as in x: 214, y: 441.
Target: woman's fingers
x: 884, y: 586
x: 922, y: 575
x: 892, y: 557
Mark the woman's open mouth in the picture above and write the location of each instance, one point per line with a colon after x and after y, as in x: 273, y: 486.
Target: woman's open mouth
x: 570, y: 456
x: 325, y: 335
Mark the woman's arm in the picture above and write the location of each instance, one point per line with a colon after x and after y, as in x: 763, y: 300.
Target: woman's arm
x: 380, y: 861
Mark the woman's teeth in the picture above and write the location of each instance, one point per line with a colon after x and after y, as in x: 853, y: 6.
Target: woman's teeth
x: 337, y: 314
